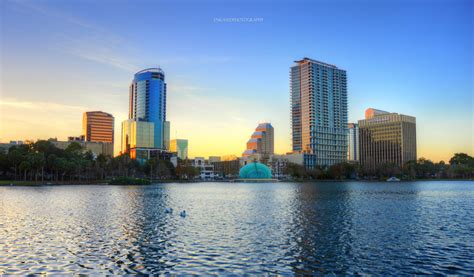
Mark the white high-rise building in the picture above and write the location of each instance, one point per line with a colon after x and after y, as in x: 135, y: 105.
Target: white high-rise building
x: 353, y: 142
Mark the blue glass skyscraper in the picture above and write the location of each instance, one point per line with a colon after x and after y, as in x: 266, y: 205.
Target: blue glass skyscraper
x: 148, y: 103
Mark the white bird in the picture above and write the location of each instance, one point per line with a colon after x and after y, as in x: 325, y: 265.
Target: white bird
x: 182, y: 213
x: 168, y: 210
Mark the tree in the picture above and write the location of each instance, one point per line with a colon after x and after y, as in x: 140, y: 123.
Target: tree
x: 52, y: 164
x: 102, y: 164
x: 24, y: 166
x: 409, y: 169
x: 295, y: 170
x: 462, y: 158
x: 15, y: 157
x: 37, y: 162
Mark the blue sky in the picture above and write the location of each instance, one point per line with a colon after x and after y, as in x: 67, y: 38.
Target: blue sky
x: 60, y: 58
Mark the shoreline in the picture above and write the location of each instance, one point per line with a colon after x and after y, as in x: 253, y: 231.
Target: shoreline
x: 11, y: 183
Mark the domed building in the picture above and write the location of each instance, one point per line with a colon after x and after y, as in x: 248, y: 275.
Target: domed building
x: 255, y: 170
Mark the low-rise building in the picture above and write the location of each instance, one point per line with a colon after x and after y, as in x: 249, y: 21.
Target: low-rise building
x: 206, y: 170
x: 95, y: 147
x: 227, y: 169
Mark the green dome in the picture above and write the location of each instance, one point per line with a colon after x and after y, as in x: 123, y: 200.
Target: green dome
x: 255, y: 171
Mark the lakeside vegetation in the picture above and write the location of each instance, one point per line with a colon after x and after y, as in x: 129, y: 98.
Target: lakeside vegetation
x: 460, y: 166
x: 43, y: 162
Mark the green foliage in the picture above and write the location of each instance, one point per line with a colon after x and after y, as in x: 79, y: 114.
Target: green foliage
x: 462, y: 159
x: 126, y: 181
x: 461, y: 166
x: 185, y: 170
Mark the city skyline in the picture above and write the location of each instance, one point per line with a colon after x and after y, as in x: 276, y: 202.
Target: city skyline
x: 88, y: 62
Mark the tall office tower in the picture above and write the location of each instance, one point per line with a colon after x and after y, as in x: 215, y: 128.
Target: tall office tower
x: 98, y: 126
x: 353, y: 142
x: 319, y: 111
x: 137, y: 134
x: 180, y: 146
x: 148, y: 103
x: 386, y: 138
x: 261, y: 141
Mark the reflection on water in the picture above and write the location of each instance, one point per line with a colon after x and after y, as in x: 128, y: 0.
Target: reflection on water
x: 281, y: 228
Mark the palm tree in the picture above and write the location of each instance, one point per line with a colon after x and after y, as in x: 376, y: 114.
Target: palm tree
x: 24, y: 166
x: 101, y: 163
x: 15, y: 157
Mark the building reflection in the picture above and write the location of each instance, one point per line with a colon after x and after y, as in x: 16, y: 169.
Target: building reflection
x: 322, y: 229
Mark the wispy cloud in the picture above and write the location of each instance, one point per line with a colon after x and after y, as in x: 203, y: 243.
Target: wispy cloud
x: 50, y: 12
x: 87, y: 41
x: 103, y: 56
x: 94, y: 43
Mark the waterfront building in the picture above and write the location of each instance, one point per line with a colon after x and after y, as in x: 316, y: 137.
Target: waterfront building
x: 206, y: 169
x: 137, y: 134
x: 180, y: 146
x: 261, y: 141
x: 213, y: 159
x: 98, y: 126
x: 96, y: 147
x: 386, y: 138
x: 146, y: 133
x: 226, y: 168
x: 166, y: 135
x: 148, y: 103
x: 353, y: 142
x: 144, y: 154
x: 318, y: 94
x: 309, y: 161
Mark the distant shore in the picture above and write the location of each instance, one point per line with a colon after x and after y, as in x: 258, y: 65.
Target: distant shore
x: 8, y: 183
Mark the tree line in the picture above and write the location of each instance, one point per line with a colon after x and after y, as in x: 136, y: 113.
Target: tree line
x: 460, y: 165
x: 43, y: 161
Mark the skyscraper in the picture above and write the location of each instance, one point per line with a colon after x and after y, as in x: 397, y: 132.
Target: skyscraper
x: 261, y: 141
x: 137, y: 134
x: 180, y: 146
x: 386, y: 138
x: 319, y: 111
x: 353, y: 142
x: 148, y: 103
x: 98, y: 126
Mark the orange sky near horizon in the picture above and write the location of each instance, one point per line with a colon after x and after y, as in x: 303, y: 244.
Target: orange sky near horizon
x: 31, y: 121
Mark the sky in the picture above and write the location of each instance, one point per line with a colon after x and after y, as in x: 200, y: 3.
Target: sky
x: 227, y: 65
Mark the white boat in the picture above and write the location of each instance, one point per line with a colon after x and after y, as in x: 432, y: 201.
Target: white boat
x: 393, y: 179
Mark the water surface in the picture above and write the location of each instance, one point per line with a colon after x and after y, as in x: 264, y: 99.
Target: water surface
x: 272, y: 228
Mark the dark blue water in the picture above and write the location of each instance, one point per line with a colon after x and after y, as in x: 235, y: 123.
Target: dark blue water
x: 277, y: 228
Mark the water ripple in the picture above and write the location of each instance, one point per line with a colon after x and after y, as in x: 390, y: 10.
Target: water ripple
x: 281, y: 228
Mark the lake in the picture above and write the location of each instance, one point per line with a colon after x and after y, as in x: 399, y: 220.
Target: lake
x: 265, y: 228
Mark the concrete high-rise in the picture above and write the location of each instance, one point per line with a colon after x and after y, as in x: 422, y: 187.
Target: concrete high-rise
x: 98, y: 126
x: 353, y: 142
x: 386, y: 138
x: 261, y: 141
x: 148, y: 103
x: 319, y: 111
